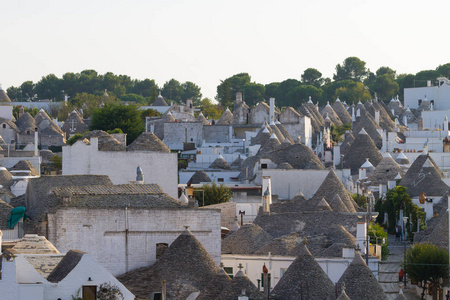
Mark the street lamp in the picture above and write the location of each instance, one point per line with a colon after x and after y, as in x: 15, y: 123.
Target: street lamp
x: 405, y: 220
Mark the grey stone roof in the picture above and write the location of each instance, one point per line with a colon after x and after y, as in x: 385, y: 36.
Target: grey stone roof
x: 277, y: 132
x: 10, y: 124
x: 246, y: 240
x: 248, y: 167
x: 402, y: 159
x: 272, y: 144
x: 66, y: 265
x: 330, y: 187
x: 385, y: 119
x: 424, y: 176
x: 185, y: 265
x: 26, y: 122
x: 146, y: 196
x: 397, y: 107
x: 202, y: 119
x: 343, y: 296
x: 342, y: 113
x: 336, y: 204
x: 368, y: 123
x: 323, y: 205
x: 199, y: 177
x: 25, y: 165
x: 329, y: 111
x: 237, y: 162
x: 74, y: 119
x: 3, y: 96
x: 148, y: 141
x: 313, y: 109
x: 303, y: 277
x: 226, y: 118
x: 294, y: 205
x: 220, y: 163
x: 239, y: 283
x: 34, y: 244
x: 298, y: 156
x: 306, y: 111
x: 46, y: 155
x: 262, y: 136
x: 160, y: 101
x: 362, y: 147
x: 40, y: 116
x: 51, y: 129
x: 348, y: 140
x: 216, y: 285
x: 285, y: 166
x: 283, y: 246
x: 39, y: 196
x: 360, y: 283
x: 5, y: 178
x: 285, y: 133
x: 106, y: 142
x: 385, y: 171
x: 5, y: 212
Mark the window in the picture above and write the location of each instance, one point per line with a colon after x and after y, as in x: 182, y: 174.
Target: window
x: 420, y: 101
x: 219, y: 179
x: 263, y: 166
x: 432, y: 102
x: 229, y: 271
x: 4, y: 125
x: 156, y: 296
x: 89, y: 292
x: 160, y: 249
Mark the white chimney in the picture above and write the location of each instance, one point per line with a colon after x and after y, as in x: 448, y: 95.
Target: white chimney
x: 377, y: 117
x: 152, y: 128
x: 265, y: 201
x: 383, y: 140
x: 362, y: 174
x: 36, y: 141
x: 336, y: 155
x: 353, y: 114
x: 428, y: 83
x: 405, y: 120
x: 358, y: 113
x: 272, y: 110
x: 266, y: 183
x: 446, y: 126
x: 361, y: 230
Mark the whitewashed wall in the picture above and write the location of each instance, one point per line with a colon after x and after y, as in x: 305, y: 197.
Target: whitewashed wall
x: 120, y: 166
x: 100, y: 232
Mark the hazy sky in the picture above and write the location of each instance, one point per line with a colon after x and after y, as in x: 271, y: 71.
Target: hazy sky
x: 206, y: 41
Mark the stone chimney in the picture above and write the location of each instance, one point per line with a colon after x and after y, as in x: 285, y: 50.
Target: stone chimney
x: 139, y: 176
x: 377, y: 117
x: 272, y: 110
x: 238, y: 97
x: 266, y: 184
x: 361, y: 230
x: 36, y: 141
x: 265, y: 201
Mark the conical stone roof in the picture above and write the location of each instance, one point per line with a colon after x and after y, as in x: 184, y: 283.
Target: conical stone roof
x: 40, y: 116
x: 160, y: 101
x: 237, y: 162
x: 106, y: 142
x: 313, y: 109
x: 343, y: 296
x: 185, y: 265
x: 272, y: 144
x: 220, y: 163
x: 215, y: 286
x: 424, y: 176
x: 298, y: 156
x: 201, y: 118
x: 285, y: 133
x: 26, y: 122
x: 25, y: 165
x: 330, y: 187
x: 262, y: 136
x: 199, y: 177
x: 246, y: 240
x: 283, y: 246
x: 341, y: 112
x: 402, y: 159
x: 276, y: 131
x: 336, y: 204
x: 385, y: 171
x: 74, y: 121
x: 34, y: 244
x: 329, y: 112
x: 5, y: 177
x: 3, y: 96
x: 226, y: 118
x: 368, y: 123
x: 362, y: 147
x: 294, y: 205
x: 285, y: 166
x: 148, y: 141
x: 239, y: 283
x: 345, y: 146
x: 360, y: 283
x: 303, y: 277
x: 323, y: 205
x: 314, y: 123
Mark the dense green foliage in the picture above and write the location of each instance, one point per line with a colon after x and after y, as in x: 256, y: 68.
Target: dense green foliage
x: 397, y: 199
x: 32, y: 111
x: 338, y: 131
x: 213, y: 193
x: 91, y: 83
x: 426, y: 262
x: 377, y: 234
x: 126, y: 117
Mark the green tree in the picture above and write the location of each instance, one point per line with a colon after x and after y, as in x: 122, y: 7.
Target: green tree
x: 211, y: 110
x: 191, y: 91
x: 146, y: 88
x: 172, y: 90
x: 227, y: 89
x: 377, y: 234
x: 214, y: 194
x: 14, y: 93
x: 138, y: 99
x: 353, y: 92
x: 444, y: 70
x: 301, y: 94
x: 271, y: 90
x: 386, y: 87
x: 125, y: 117
x: 405, y: 81
x: 70, y: 84
x: 352, y: 68
x: 426, y: 263
x: 313, y: 77
x: 253, y: 93
x: 284, y: 88
x: 422, y: 77
x: 49, y: 87
x: 32, y: 111
x: 28, y: 90
x: 89, y: 102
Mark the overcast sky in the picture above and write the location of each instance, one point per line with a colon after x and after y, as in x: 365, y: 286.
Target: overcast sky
x: 204, y: 41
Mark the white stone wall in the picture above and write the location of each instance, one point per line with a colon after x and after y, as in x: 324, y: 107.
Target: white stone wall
x: 177, y: 133
x: 120, y: 166
x: 101, y: 232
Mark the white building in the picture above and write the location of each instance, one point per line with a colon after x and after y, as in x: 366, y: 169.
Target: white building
x: 439, y: 95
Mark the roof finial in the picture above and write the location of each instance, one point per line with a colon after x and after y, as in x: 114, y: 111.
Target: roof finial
x: 240, y: 267
x: 222, y: 265
x: 305, y: 240
x: 186, y: 227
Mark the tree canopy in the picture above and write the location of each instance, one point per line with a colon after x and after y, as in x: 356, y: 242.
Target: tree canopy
x: 213, y: 194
